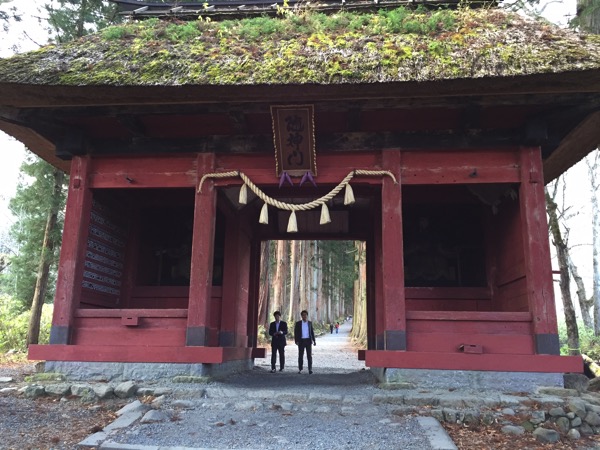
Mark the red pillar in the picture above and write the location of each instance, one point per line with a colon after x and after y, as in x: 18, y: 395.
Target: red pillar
x: 234, y: 312
x: 253, y: 292
x: 376, y: 312
x: 72, y: 253
x: 205, y: 210
x: 392, y: 248
x: 229, y: 301
x: 538, y: 268
x: 243, y: 289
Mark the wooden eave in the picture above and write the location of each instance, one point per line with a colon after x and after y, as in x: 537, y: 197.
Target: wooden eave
x: 38, y: 115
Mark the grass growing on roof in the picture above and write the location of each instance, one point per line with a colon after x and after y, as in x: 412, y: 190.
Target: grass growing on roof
x: 311, y: 47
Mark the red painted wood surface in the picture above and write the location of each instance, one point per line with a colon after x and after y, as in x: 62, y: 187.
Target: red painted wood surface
x: 331, y: 168
x: 507, y: 267
x: 202, y: 248
x: 97, y: 313
x: 215, y: 310
x: 450, y: 342
x: 462, y: 361
x: 447, y: 299
x: 243, y: 286
x: 392, y: 246
x: 470, y: 315
x: 463, y: 167
x: 90, y: 299
x: 75, y: 232
x: 468, y: 326
x: 536, y: 245
x: 159, y: 297
x: 150, y: 331
x: 130, y: 172
x: 231, y: 270
x: 376, y: 322
x: 447, y: 305
x: 448, y: 293
x: 513, y: 296
x: 253, y: 294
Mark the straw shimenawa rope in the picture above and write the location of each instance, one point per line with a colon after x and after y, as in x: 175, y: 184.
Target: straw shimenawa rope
x: 291, y: 206
x: 322, y: 201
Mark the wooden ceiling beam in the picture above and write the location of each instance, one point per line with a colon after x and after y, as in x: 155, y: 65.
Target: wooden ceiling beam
x: 559, y: 103
x: 583, y: 139
x: 334, y: 142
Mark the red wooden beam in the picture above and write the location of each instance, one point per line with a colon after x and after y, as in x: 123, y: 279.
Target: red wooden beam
x: 231, y: 280
x: 93, y: 313
x: 392, y: 255
x: 538, y: 267
x: 477, y: 316
x: 134, y: 354
x: 124, y: 172
x: 202, y: 256
x: 460, y: 167
x: 376, y: 311
x: 462, y: 361
x: 75, y: 232
x: 444, y: 293
x: 243, y: 289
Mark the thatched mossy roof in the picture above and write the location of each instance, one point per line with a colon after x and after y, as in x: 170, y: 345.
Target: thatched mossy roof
x: 389, y: 46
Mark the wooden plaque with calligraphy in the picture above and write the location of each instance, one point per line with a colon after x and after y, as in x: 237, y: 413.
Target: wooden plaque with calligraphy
x: 294, y: 138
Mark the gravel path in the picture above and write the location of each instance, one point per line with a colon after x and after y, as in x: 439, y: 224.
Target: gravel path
x: 261, y: 410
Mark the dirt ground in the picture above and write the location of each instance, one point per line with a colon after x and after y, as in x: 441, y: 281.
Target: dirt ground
x: 46, y: 422
x: 49, y: 423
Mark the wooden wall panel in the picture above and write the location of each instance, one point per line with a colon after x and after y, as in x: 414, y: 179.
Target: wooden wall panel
x: 444, y: 305
x: 159, y: 297
x: 513, y: 296
x: 150, y: 331
x: 505, y: 243
x: 447, y: 299
x: 463, y: 167
x: 469, y: 327
x: 490, y: 343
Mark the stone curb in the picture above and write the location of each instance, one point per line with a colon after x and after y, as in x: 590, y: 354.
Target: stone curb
x: 435, y: 433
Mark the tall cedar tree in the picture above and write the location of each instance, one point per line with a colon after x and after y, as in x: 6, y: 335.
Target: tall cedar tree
x: 33, y: 201
x: 562, y: 252
x: 593, y: 164
x: 588, y: 16
x: 70, y: 20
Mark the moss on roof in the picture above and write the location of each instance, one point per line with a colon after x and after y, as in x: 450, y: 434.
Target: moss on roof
x: 309, y: 47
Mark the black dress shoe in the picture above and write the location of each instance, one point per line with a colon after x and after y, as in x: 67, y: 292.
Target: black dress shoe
x: 309, y: 372
x: 300, y: 371
x: 281, y: 370
x: 272, y: 370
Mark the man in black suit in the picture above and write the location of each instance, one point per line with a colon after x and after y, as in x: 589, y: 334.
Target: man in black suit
x: 278, y: 331
x: 304, y: 336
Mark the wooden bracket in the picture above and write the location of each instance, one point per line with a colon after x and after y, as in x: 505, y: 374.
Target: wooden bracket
x: 470, y: 348
x: 130, y: 321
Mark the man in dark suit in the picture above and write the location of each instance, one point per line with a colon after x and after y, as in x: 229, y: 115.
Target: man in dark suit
x: 304, y: 336
x: 278, y: 330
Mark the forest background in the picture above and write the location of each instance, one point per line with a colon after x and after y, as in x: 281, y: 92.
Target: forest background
x: 325, y: 277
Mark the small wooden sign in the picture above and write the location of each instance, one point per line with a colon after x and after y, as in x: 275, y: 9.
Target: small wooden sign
x: 294, y: 138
